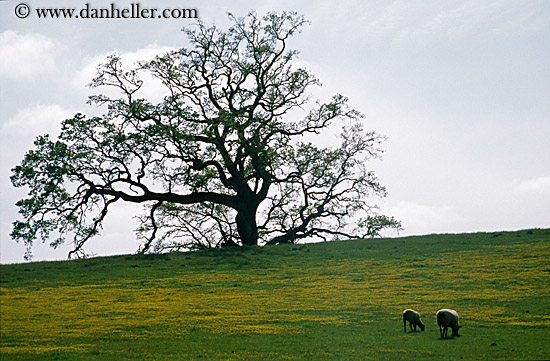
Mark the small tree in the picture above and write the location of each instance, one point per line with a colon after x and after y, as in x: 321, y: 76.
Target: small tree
x: 217, y: 162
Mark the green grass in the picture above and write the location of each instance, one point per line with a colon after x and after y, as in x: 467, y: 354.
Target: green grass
x: 326, y: 301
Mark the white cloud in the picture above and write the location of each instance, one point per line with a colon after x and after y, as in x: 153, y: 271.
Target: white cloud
x: 146, y: 53
x: 36, y: 119
x: 537, y: 185
x: 25, y: 56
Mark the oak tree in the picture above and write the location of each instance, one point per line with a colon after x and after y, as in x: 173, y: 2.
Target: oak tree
x: 231, y: 155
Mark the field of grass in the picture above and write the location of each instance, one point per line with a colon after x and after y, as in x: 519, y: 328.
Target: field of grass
x: 326, y: 301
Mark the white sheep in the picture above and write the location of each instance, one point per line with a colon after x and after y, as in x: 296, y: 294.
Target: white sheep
x: 447, y: 318
x: 414, y: 319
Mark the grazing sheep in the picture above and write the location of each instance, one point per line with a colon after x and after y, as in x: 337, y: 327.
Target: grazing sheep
x: 447, y: 318
x: 414, y: 319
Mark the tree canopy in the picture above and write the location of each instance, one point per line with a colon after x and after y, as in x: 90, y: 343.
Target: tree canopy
x: 229, y: 156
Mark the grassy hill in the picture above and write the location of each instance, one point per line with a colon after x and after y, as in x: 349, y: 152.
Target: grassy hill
x: 326, y: 301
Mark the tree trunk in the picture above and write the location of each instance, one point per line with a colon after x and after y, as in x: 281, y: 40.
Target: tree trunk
x: 247, y: 227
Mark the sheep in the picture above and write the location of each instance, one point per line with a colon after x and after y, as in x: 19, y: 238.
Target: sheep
x: 414, y: 319
x: 447, y: 318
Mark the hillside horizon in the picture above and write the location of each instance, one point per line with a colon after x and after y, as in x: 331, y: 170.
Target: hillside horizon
x: 93, y: 256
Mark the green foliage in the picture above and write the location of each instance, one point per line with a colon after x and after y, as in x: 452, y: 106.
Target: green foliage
x: 325, y: 301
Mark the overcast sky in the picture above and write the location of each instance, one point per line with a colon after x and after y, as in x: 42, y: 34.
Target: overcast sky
x: 461, y: 89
